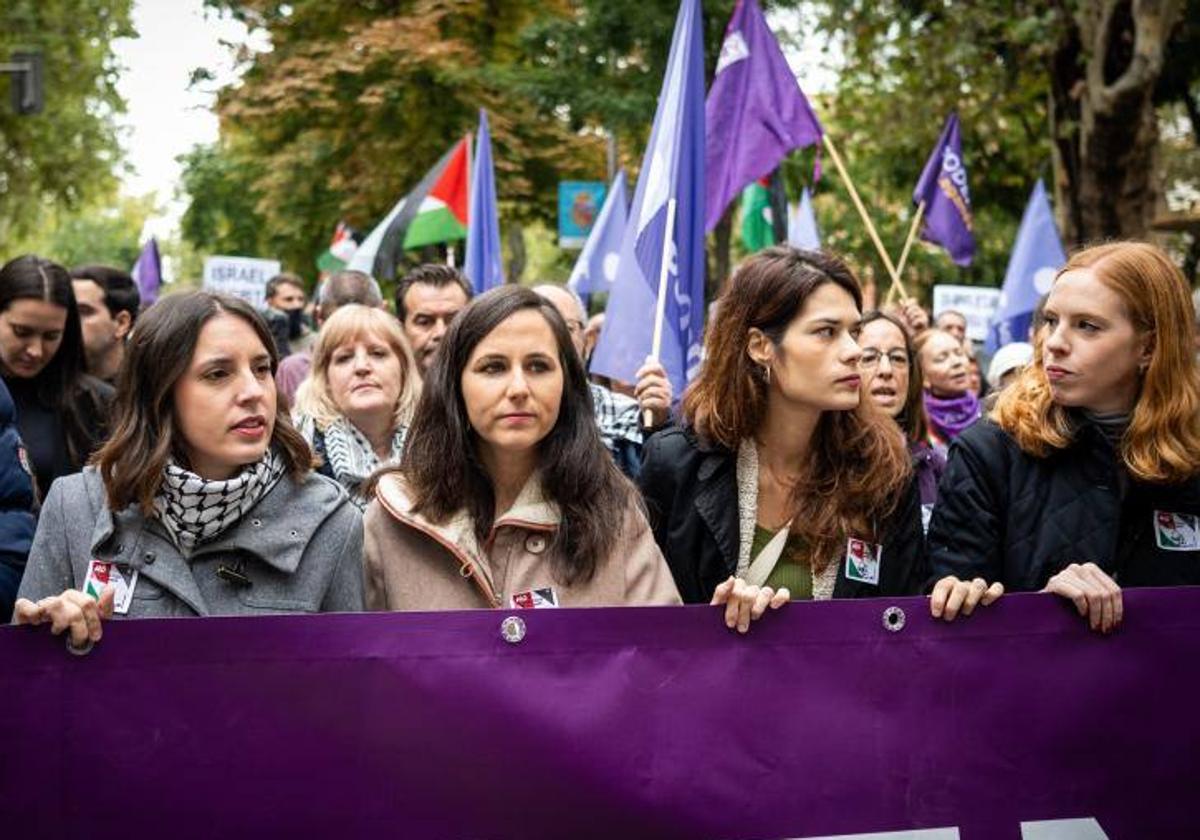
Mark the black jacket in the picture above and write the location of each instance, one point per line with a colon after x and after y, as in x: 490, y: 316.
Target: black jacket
x: 1008, y: 516
x: 690, y: 490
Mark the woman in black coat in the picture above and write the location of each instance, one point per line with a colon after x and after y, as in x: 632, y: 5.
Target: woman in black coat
x: 1087, y: 478
x: 782, y: 475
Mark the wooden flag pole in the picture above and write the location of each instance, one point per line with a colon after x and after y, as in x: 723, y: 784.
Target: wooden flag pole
x: 912, y: 235
x: 862, y: 210
x: 660, y: 308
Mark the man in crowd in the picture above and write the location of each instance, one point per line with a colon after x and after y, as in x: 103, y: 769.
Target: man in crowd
x: 341, y: 288
x: 108, y: 303
x: 427, y: 299
x: 285, y: 313
x: 953, y: 322
x: 618, y: 416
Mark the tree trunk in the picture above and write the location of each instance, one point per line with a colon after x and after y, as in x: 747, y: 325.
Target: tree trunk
x: 1102, y: 116
x: 516, y: 252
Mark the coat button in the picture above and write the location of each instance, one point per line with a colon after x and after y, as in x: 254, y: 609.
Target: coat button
x: 149, y: 557
x: 535, y: 543
x: 257, y: 523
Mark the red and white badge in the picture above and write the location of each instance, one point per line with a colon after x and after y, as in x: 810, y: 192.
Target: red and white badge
x: 862, y: 561
x: 102, y: 573
x: 1176, y: 531
x: 535, y: 599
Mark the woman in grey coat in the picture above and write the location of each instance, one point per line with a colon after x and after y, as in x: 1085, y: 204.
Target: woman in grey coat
x: 203, y: 502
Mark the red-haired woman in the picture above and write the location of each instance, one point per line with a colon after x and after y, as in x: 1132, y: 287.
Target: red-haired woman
x: 782, y: 475
x: 1085, y: 479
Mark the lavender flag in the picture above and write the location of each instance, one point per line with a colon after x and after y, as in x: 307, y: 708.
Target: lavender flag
x: 755, y: 111
x: 943, y: 187
x: 147, y: 272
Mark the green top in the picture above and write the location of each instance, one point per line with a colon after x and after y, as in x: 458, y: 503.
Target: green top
x: 791, y: 570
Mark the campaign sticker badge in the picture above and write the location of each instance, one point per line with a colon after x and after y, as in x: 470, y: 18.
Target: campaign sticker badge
x: 102, y: 573
x: 535, y: 599
x: 862, y: 561
x: 1177, y: 531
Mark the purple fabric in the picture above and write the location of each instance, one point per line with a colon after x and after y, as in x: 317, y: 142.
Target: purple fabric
x: 147, y: 272
x: 944, y: 189
x: 651, y: 722
x: 950, y: 417
x: 929, y: 466
x: 755, y: 111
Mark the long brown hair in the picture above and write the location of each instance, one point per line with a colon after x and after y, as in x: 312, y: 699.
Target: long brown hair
x: 443, y: 470
x: 858, y: 465
x: 1162, y: 443
x: 912, y: 419
x: 144, y: 433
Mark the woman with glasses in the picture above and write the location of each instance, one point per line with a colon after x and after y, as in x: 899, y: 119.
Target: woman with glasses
x: 950, y: 404
x: 781, y: 475
x: 892, y: 379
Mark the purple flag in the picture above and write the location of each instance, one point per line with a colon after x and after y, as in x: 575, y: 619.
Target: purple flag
x: 147, y: 272
x: 482, y: 264
x: 943, y: 187
x: 829, y: 718
x: 755, y: 111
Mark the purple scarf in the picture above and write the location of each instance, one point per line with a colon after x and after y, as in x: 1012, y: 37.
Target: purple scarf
x: 949, y: 418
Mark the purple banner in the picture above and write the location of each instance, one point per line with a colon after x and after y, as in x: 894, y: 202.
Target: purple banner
x: 611, y: 723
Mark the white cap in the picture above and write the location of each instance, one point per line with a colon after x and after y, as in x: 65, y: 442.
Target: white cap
x: 1015, y: 355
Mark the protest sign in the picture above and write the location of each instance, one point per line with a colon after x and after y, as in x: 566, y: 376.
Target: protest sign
x: 579, y: 204
x: 977, y: 303
x: 831, y: 718
x: 242, y: 277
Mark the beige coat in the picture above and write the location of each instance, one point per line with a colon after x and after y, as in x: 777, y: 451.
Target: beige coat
x: 413, y: 564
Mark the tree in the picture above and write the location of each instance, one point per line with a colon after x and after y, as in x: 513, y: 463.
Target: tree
x: 106, y: 232
x: 66, y: 156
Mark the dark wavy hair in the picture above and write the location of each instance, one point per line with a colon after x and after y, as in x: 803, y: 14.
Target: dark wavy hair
x: 63, y: 384
x: 912, y: 419
x: 144, y: 432
x: 858, y: 466
x: 441, y: 463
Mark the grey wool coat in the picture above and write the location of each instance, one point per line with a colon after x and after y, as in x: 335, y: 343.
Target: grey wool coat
x: 299, y: 549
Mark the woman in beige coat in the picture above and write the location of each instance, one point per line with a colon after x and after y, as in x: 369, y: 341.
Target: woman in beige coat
x: 505, y: 496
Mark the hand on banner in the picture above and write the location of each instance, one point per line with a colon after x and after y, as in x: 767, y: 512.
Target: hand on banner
x: 72, y: 610
x: 653, y: 392
x: 915, y: 316
x: 1094, y: 593
x: 952, y: 596
x: 745, y: 603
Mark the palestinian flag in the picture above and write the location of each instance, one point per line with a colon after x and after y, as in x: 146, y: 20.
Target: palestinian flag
x: 435, y: 211
x: 341, y: 249
x: 764, y: 213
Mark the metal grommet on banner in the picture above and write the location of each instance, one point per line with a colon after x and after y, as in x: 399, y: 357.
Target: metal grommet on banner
x: 893, y: 619
x: 512, y: 630
x: 82, y: 650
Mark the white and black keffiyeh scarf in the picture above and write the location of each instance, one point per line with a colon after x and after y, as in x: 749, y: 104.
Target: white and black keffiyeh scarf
x: 193, y: 509
x: 351, y: 456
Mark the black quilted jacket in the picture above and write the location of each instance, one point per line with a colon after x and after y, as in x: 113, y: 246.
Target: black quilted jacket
x: 1005, y: 515
x: 690, y: 490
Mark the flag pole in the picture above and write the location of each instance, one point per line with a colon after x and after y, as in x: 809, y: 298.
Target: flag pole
x: 660, y: 308
x: 862, y: 211
x: 912, y: 234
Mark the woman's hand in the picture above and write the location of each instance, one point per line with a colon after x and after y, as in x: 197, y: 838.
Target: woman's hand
x: 1093, y: 592
x: 952, y: 596
x: 745, y: 603
x: 72, y: 610
x: 653, y: 392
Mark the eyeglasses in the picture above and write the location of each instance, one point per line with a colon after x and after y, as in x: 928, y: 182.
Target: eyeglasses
x: 870, y: 359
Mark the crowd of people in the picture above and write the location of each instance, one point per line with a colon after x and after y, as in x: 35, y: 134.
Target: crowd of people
x: 203, y: 458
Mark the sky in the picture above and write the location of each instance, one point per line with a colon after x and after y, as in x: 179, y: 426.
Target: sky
x: 165, y: 119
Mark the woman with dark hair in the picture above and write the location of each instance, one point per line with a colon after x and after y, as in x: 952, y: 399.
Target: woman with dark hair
x: 781, y: 474
x: 892, y: 379
x: 61, y: 411
x: 203, y: 501
x: 1086, y: 477
x: 950, y: 405
x: 505, y: 495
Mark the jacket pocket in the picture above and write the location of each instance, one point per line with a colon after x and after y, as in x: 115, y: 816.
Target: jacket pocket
x: 269, y: 603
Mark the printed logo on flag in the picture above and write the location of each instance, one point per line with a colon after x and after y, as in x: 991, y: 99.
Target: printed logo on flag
x: 862, y: 561
x: 733, y: 50
x: 1177, y: 531
x: 535, y: 599
x: 101, y: 574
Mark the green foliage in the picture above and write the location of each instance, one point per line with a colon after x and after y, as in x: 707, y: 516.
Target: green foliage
x: 106, y: 235
x: 66, y: 156
x: 221, y: 217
